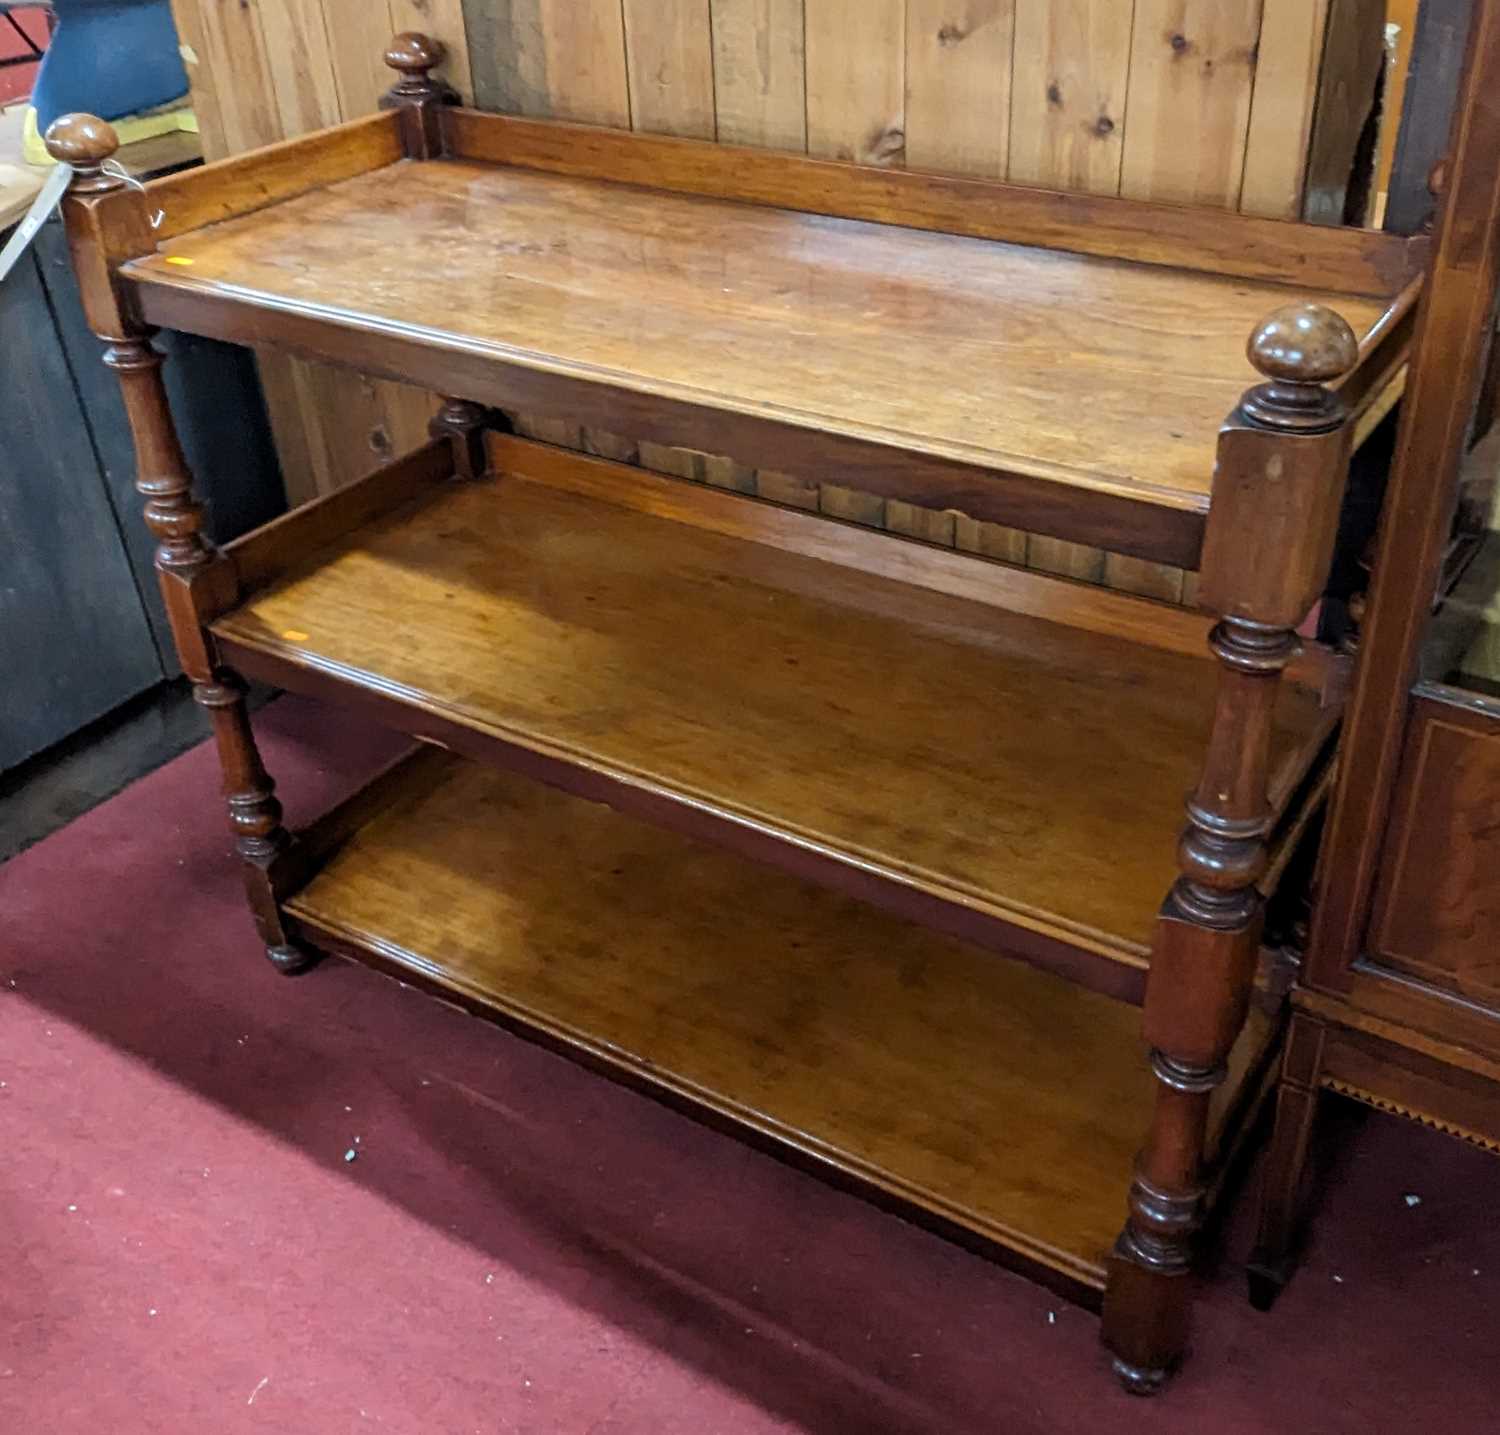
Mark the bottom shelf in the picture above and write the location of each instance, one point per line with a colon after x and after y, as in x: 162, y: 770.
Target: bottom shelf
x: 992, y: 1097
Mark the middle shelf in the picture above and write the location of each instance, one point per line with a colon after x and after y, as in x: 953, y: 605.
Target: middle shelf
x: 998, y: 754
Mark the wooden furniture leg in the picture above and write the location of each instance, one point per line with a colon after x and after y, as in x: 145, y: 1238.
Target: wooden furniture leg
x: 1283, y: 455
x: 1271, y: 1263
x: 196, y: 581
x: 192, y: 575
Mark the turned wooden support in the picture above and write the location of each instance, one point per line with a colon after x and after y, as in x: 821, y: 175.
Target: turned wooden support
x: 465, y: 423
x: 1283, y: 456
x: 254, y: 814
x: 197, y: 583
x: 173, y: 513
x: 417, y: 94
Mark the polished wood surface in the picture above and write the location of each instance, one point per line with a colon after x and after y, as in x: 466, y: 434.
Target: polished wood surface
x: 824, y: 324
x: 1278, y: 490
x: 994, y: 1094
x: 1005, y: 761
x: 1437, y: 913
x: 1352, y: 261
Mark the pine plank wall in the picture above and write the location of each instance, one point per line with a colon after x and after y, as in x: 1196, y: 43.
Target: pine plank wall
x: 1208, y: 102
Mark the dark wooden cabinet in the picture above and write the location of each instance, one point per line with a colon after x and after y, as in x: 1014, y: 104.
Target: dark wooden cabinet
x: 1398, y: 1002
x: 1437, y: 892
x: 75, y: 639
x: 82, y: 626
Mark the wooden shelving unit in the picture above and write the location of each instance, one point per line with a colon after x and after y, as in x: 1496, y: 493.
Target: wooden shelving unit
x: 960, y: 783
x: 977, y: 1092
x: 803, y: 690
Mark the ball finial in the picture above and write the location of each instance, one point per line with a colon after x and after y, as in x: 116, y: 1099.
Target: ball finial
x: 83, y: 141
x: 413, y: 54
x: 1304, y: 344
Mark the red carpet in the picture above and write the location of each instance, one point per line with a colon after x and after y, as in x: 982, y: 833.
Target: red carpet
x: 520, y: 1246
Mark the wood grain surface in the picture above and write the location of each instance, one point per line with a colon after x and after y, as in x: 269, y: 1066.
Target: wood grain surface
x: 996, y: 1095
x: 771, y: 313
x: 1009, y: 762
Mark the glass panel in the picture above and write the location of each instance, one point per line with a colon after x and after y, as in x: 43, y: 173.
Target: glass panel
x: 1463, y: 641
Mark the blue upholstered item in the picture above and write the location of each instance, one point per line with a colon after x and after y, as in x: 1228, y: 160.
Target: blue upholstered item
x: 111, y: 58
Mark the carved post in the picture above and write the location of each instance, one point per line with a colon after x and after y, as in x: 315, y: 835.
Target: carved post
x: 1283, y: 457
x: 465, y: 423
x: 196, y: 582
x: 417, y: 94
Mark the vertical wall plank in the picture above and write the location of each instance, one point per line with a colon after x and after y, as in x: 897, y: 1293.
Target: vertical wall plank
x: 561, y: 59
x: 1353, y: 63
x: 362, y: 29
x: 931, y: 525
x: 296, y: 40
x: 1281, y: 107
x: 958, y: 75
x: 1068, y: 117
x: 669, y: 62
x: 760, y: 73
x: 1067, y: 127
x: 990, y: 540
x: 231, y: 59
x: 856, y: 51
x: 1136, y: 575
x: 1192, y: 71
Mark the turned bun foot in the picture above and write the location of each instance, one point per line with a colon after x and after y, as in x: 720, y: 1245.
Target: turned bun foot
x: 290, y: 958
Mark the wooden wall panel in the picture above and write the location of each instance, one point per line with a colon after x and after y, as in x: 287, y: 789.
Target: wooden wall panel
x: 1282, y: 106
x: 1353, y: 64
x: 559, y: 59
x: 1192, y: 73
x: 856, y: 79
x: 1068, y: 116
x: 958, y: 77
x: 670, y: 67
x: 760, y: 73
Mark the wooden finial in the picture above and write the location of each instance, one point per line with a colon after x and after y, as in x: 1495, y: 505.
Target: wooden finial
x: 413, y: 56
x: 85, y: 142
x: 1299, y: 349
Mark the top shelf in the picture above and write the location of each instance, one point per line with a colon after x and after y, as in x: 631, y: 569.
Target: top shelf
x: 933, y: 365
